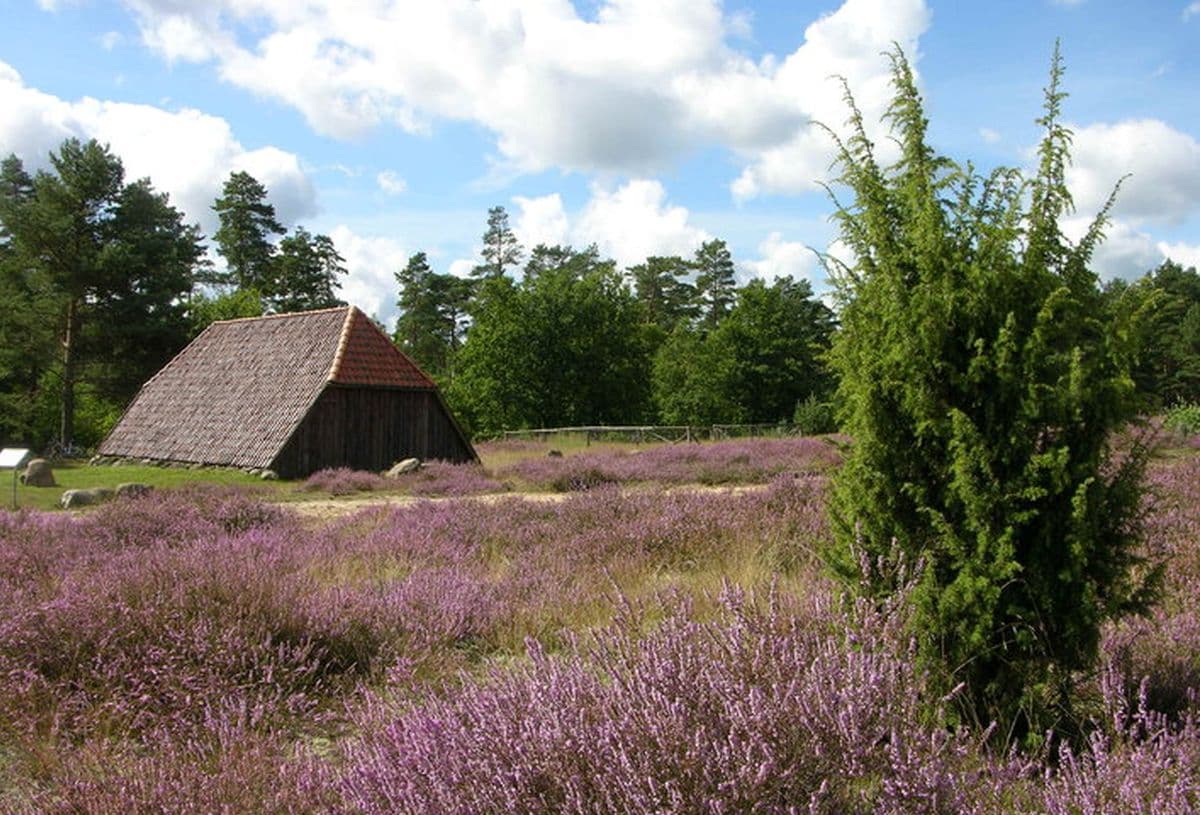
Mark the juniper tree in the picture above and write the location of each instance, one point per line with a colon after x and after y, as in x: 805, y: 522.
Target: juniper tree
x: 983, y: 387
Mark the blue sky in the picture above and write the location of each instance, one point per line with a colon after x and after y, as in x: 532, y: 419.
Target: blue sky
x: 645, y: 126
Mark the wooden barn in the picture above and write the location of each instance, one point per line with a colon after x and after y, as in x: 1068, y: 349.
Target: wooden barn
x: 293, y: 393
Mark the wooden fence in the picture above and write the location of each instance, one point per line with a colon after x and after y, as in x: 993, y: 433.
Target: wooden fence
x: 671, y: 434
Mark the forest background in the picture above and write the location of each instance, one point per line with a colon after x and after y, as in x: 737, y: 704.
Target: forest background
x: 102, y: 282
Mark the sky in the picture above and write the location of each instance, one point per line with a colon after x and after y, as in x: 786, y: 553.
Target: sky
x: 643, y: 126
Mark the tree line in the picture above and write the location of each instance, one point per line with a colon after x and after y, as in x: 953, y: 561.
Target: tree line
x: 561, y: 336
x: 102, y: 282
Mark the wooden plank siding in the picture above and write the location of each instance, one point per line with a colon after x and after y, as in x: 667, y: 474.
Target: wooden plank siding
x: 366, y: 428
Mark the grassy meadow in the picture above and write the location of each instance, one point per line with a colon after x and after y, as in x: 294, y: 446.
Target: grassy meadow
x: 652, y: 642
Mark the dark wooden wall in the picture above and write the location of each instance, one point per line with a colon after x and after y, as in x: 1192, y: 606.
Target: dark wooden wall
x: 371, y: 429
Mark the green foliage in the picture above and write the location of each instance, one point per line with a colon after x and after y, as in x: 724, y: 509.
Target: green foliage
x: 815, y: 416
x: 1183, y: 418
x: 1167, y: 369
x: 99, y: 268
x: 204, y: 309
x: 305, y: 273
x: 247, y: 222
x: 665, y: 296
x: 764, y: 356
x: 432, y: 308
x: 716, y: 286
x: 500, y: 246
x: 982, y: 385
x: 691, y: 376
x: 561, y: 348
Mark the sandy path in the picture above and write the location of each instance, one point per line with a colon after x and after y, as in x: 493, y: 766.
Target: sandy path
x: 324, y: 509
x: 329, y: 508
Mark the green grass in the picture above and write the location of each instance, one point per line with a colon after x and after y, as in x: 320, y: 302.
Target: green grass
x: 494, y: 456
x: 73, y: 475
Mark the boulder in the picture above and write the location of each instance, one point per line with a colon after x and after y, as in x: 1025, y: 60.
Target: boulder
x: 554, y: 454
x: 409, y: 465
x: 133, y: 490
x: 37, y: 473
x: 73, y: 499
x: 269, y: 475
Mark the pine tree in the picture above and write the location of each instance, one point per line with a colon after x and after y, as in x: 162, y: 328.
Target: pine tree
x: 500, y: 246
x: 716, y: 285
x: 247, y: 222
x: 306, y: 273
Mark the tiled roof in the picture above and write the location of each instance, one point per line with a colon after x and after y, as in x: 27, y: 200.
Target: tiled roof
x: 367, y: 357
x: 237, y: 392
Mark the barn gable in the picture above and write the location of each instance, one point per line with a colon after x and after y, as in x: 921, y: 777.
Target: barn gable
x: 242, y: 389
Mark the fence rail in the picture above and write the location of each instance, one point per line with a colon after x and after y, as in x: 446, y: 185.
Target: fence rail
x: 671, y: 434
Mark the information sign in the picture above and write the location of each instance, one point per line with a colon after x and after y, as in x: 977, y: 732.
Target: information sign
x: 13, y: 457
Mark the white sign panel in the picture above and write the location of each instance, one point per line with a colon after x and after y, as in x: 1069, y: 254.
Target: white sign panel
x: 12, y: 457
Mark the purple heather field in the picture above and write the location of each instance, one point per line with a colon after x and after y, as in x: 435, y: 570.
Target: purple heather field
x: 623, y: 649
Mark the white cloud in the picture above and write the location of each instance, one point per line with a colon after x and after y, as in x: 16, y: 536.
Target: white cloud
x: 634, y: 222
x: 461, y: 267
x: 988, y: 135
x: 847, y: 43
x: 782, y: 258
x: 371, y: 264
x: 632, y: 88
x: 185, y: 153
x: 1127, y: 252
x: 541, y: 220
x: 1163, y: 165
x: 391, y: 183
x: 110, y: 40
x: 1191, y: 11
x: 1185, y: 254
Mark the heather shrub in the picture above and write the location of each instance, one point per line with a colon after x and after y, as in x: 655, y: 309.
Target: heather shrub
x: 236, y: 768
x: 344, y: 481
x: 981, y: 384
x: 441, y: 478
x: 779, y: 708
x: 1140, y: 763
x: 150, y: 639
x: 583, y: 478
x: 1159, y: 652
x: 741, y: 461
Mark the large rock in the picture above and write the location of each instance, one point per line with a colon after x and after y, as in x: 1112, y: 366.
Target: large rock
x: 409, y: 465
x: 38, y: 474
x: 74, y: 499
x: 133, y: 490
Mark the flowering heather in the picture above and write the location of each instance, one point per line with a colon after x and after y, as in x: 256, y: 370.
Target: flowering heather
x: 236, y: 769
x: 772, y: 710
x: 1164, y: 646
x: 441, y: 478
x: 344, y: 481
x: 742, y: 461
x: 204, y: 652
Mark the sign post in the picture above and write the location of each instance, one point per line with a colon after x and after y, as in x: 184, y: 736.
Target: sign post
x: 13, y: 457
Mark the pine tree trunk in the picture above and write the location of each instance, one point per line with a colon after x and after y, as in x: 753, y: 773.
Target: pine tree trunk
x: 67, y: 426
